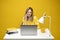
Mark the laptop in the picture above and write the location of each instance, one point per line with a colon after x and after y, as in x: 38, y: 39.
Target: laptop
x: 28, y: 30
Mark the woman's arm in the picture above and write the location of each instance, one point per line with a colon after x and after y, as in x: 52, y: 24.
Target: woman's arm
x: 25, y: 19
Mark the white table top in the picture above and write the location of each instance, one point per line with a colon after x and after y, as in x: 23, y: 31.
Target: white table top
x: 46, y: 35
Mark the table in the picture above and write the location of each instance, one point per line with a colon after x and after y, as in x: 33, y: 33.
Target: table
x: 40, y: 36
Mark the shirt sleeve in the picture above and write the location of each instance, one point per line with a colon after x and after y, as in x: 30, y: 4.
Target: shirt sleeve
x: 22, y: 20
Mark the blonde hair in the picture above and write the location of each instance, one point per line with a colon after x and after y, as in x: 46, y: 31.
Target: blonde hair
x: 29, y: 8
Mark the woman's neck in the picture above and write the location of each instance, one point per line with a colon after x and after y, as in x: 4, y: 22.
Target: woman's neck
x: 30, y: 19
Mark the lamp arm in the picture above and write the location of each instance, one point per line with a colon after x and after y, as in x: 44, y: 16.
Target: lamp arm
x: 49, y: 22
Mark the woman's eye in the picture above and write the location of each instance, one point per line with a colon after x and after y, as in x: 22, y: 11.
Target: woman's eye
x: 30, y: 12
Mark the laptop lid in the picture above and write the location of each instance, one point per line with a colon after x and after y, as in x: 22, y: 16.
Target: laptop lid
x: 28, y: 30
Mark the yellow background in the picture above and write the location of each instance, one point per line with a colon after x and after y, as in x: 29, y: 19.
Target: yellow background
x: 12, y: 11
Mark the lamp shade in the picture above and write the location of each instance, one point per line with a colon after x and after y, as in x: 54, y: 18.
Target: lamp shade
x: 41, y: 20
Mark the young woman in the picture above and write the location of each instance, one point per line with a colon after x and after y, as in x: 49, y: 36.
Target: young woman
x: 29, y: 18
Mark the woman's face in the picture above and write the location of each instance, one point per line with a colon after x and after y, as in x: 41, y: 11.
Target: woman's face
x: 29, y: 12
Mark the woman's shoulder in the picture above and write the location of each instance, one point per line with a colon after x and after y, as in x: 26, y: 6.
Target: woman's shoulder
x: 35, y: 17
